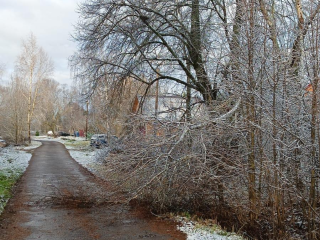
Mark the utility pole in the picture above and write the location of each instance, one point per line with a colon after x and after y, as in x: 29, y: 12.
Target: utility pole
x: 188, y: 103
x: 87, y: 119
x: 156, y: 105
x: 188, y: 100
x: 157, y: 97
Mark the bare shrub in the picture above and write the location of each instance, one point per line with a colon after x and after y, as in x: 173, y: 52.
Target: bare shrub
x: 204, y: 170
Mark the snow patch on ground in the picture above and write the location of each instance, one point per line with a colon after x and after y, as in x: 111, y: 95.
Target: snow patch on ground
x: 13, y: 163
x: 15, y: 158
x: 33, y: 145
x: 196, y: 231
x: 91, y: 159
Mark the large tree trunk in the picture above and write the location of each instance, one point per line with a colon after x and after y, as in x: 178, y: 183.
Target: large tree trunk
x: 251, y: 115
x: 208, y: 91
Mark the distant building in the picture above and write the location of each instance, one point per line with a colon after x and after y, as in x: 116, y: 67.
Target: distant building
x: 309, y: 88
x: 170, y: 109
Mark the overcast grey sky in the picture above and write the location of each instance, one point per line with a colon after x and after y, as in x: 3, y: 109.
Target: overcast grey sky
x: 51, y: 21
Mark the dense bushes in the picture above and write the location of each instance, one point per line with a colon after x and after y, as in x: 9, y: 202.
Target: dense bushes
x: 205, y: 171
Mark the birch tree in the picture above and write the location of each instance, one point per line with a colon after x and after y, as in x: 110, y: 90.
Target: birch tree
x: 33, y: 65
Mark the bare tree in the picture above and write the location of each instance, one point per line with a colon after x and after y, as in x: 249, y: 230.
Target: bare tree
x: 13, y: 111
x: 153, y: 42
x: 255, y: 150
x: 73, y: 112
x: 33, y: 65
x: 50, y: 106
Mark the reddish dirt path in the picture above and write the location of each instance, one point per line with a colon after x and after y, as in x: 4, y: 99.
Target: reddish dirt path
x: 58, y: 199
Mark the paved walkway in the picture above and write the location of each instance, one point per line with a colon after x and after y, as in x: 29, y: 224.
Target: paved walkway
x: 58, y: 199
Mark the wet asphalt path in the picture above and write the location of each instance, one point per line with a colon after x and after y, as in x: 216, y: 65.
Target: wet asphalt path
x: 58, y: 199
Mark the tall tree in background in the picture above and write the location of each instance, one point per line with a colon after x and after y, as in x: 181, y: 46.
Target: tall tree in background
x: 33, y: 66
x: 13, y: 111
x: 50, y: 106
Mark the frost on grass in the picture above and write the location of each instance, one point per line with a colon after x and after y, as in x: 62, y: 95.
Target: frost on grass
x: 33, y: 145
x: 13, y: 162
x: 196, y: 231
x: 88, y: 157
x: 92, y: 160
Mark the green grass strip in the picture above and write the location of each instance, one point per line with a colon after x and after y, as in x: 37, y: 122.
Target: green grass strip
x: 8, y: 178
